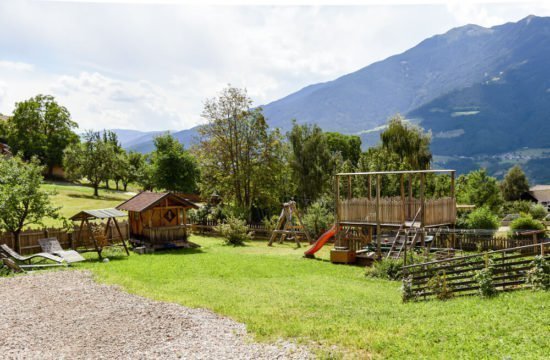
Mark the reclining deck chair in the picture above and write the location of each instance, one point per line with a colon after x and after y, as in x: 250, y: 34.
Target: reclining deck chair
x: 24, y: 262
x: 52, y: 246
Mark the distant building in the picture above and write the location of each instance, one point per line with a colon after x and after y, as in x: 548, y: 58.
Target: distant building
x: 539, y: 194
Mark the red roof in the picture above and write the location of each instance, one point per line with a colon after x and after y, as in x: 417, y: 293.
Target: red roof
x: 146, y: 199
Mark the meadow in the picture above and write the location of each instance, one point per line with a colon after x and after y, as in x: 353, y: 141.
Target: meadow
x: 334, y: 309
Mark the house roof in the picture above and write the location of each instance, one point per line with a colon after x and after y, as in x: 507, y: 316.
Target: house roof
x: 147, y: 199
x: 540, y: 192
x: 98, y: 214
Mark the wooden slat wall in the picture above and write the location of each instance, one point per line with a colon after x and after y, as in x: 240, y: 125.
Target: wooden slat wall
x: 67, y: 239
x: 437, y: 211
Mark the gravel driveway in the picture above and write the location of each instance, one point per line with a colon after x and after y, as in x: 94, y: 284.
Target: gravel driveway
x: 66, y: 315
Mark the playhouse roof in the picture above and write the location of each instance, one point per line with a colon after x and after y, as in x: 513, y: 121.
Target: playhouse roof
x: 98, y: 214
x: 147, y: 199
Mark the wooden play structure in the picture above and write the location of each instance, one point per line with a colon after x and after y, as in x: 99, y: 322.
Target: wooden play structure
x: 97, y: 232
x: 289, y: 226
x: 390, y: 222
x: 158, y: 219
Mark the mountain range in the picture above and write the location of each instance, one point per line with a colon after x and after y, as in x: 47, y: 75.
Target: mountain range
x: 484, y: 93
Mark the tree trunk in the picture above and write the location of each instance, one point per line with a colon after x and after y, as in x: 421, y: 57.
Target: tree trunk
x: 17, y: 240
x: 125, y: 186
x: 96, y: 187
x: 107, y: 184
x: 116, y: 184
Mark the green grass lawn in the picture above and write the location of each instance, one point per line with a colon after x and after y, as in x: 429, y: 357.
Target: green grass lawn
x: 333, y: 308
x: 73, y: 198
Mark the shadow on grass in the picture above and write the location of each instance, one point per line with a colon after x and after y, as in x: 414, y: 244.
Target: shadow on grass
x: 92, y: 197
x: 176, y: 251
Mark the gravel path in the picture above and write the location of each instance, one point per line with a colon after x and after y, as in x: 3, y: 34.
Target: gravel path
x: 66, y: 315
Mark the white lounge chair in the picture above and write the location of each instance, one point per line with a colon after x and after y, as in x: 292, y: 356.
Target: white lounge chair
x: 52, y: 246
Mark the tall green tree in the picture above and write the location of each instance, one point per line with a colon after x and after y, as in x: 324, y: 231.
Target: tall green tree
x: 409, y: 142
x: 347, y: 145
x: 514, y: 184
x: 479, y: 189
x: 91, y: 160
x: 22, y: 201
x: 173, y: 168
x: 41, y: 127
x: 239, y: 157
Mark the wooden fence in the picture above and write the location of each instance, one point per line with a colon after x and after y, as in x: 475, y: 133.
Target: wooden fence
x: 509, y: 271
x: 209, y: 227
x: 392, y: 209
x: 72, y: 239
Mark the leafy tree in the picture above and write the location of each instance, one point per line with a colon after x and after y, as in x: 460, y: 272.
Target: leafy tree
x: 409, y: 142
x: 347, y: 145
x: 526, y: 222
x: 515, y: 183
x: 538, y: 211
x: 41, y: 127
x: 482, y: 218
x: 516, y: 207
x: 310, y: 161
x: 134, y: 163
x: 479, y: 189
x: 91, y: 159
x: 111, y: 139
x: 173, y: 168
x: 121, y: 171
x: 239, y: 157
x: 22, y: 201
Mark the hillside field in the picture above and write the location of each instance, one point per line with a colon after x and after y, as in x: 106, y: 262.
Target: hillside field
x: 73, y: 198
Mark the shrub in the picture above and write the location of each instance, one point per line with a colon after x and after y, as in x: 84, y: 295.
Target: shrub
x: 438, y: 285
x: 482, y: 218
x: 234, y: 231
x: 406, y: 289
x: 538, y: 211
x: 390, y: 269
x: 516, y: 207
x: 318, y: 219
x: 484, y: 278
x: 270, y: 223
x: 526, y: 222
x: 538, y: 277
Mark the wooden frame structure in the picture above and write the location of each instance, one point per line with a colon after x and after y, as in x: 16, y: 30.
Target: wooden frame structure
x: 285, y: 225
x: 158, y: 219
x: 404, y: 213
x: 85, y: 216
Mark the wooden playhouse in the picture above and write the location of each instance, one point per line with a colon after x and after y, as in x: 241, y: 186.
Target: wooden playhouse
x: 158, y: 220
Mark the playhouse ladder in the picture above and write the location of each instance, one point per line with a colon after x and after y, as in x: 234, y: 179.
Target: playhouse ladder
x: 408, y: 239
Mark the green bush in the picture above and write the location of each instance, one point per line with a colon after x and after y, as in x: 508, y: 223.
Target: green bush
x: 538, y: 211
x: 516, y: 207
x: 390, y: 269
x: 270, y: 223
x: 318, y: 219
x: 482, y: 218
x: 234, y: 231
x: 407, y: 290
x: 538, y: 277
x: 484, y: 279
x: 526, y: 222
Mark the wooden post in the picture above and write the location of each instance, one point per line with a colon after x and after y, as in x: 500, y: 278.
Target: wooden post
x: 97, y: 248
x: 121, y: 237
x: 409, y: 215
x: 337, y: 200
x: 453, y: 200
x: 350, y: 195
x: 378, y: 238
x: 370, y: 187
x: 403, y: 199
x: 422, y: 211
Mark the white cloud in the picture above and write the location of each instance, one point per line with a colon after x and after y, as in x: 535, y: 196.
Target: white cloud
x: 15, y: 65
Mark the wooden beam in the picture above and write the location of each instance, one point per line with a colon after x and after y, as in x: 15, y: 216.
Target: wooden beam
x: 121, y: 237
x: 370, y: 187
x: 337, y: 201
x: 378, y: 228
x: 350, y: 195
x: 403, y: 204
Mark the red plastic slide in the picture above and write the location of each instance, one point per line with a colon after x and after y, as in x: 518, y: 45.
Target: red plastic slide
x: 320, y: 242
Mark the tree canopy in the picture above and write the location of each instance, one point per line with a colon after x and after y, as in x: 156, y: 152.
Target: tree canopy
x: 479, y: 189
x: 173, y: 168
x: 514, y: 184
x: 22, y: 201
x: 42, y: 128
x: 239, y: 157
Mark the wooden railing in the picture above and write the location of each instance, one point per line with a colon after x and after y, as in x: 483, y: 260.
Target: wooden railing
x: 509, y: 270
x: 391, y: 211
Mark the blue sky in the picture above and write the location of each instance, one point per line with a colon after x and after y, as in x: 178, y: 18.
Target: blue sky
x: 145, y: 66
